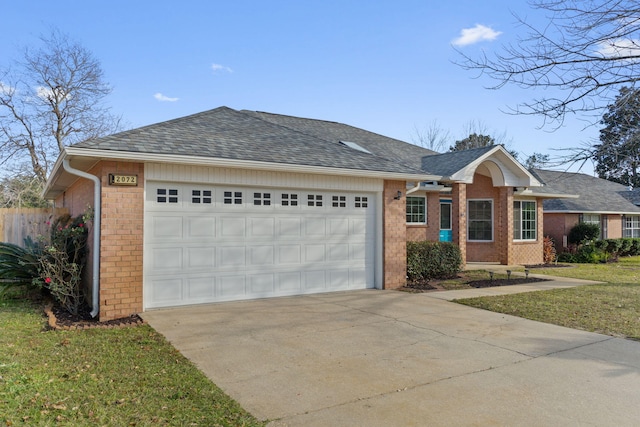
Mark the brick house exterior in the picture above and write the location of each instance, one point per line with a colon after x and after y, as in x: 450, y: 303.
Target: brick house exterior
x: 610, y: 205
x: 351, y: 183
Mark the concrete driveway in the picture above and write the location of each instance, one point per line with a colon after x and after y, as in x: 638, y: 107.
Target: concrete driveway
x: 388, y: 358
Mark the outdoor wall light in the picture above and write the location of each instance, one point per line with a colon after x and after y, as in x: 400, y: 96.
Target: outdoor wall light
x: 398, y: 196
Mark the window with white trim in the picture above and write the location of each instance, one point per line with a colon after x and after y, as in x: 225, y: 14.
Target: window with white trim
x: 201, y: 196
x: 361, y: 202
x: 590, y: 219
x: 416, y: 210
x: 164, y: 195
x: 289, y: 199
x: 339, y: 201
x: 631, y: 226
x: 261, y: 199
x: 232, y: 197
x: 314, y: 200
x: 524, y: 220
x: 480, y: 220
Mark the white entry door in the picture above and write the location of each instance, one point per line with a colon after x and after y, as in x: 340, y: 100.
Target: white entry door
x: 207, y: 243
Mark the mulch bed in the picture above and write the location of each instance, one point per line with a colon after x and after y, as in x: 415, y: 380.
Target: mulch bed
x: 60, y: 319
x: 434, y: 285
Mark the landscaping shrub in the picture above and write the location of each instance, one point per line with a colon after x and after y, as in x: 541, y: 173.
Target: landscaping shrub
x: 583, y: 232
x: 635, y: 247
x: 549, y: 250
x: 18, y: 265
x: 590, y: 254
x: 432, y: 260
x: 63, y: 260
x: 625, y: 246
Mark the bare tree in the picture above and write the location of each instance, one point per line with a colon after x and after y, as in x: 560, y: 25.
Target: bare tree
x: 53, y: 97
x: 433, y: 137
x: 581, y: 56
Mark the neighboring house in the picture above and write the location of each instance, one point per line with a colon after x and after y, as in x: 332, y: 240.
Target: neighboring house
x: 610, y: 205
x: 227, y: 205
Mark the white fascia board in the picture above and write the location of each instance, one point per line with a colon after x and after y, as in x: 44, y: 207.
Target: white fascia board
x: 592, y: 212
x: 244, y: 164
x: 549, y: 195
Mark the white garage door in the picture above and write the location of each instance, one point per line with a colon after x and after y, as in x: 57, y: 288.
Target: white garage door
x: 205, y: 243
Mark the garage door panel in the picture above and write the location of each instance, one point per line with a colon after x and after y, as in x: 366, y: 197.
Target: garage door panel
x: 232, y: 227
x: 213, y: 251
x: 314, y: 253
x: 200, y: 227
x: 261, y: 255
x: 167, y: 259
x: 232, y: 256
x: 199, y: 257
x: 166, y: 227
x: 289, y: 254
x: 261, y: 284
x: 201, y: 288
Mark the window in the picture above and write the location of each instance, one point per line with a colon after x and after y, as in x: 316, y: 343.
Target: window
x: 232, y: 197
x: 314, y: 200
x: 289, y: 199
x: 590, y: 219
x: 164, y: 195
x: 524, y: 220
x: 445, y: 214
x: 201, y: 196
x: 339, y: 201
x: 263, y: 199
x: 480, y: 220
x: 416, y: 210
x: 361, y: 202
x: 631, y: 226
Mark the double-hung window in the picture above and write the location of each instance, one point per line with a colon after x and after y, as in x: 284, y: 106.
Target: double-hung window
x: 416, y: 210
x: 631, y: 226
x: 480, y: 220
x: 524, y: 220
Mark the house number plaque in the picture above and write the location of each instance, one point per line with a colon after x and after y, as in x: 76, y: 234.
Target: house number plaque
x: 117, y: 179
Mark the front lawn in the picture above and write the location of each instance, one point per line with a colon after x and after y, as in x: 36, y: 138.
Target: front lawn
x: 612, y: 308
x: 116, y: 377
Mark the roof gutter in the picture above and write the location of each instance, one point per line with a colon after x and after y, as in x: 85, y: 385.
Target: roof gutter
x: 95, y: 303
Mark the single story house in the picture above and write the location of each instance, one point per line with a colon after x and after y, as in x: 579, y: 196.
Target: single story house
x: 605, y: 203
x: 226, y: 205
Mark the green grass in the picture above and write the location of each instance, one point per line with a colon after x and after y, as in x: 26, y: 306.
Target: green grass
x: 101, y: 377
x: 612, y: 308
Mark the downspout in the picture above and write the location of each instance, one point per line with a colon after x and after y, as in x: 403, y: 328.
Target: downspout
x: 416, y: 188
x: 95, y: 303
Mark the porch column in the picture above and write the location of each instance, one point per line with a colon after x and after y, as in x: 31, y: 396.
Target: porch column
x: 459, y: 217
x: 504, y: 226
x: 395, y: 234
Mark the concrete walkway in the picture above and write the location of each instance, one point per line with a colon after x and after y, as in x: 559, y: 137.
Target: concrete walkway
x: 390, y: 358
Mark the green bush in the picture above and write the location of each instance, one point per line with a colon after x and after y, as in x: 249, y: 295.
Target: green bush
x: 18, y: 265
x: 635, y: 247
x: 625, y: 246
x: 590, y: 254
x: 583, y: 232
x: 63, y: 260
x: 432, y: 260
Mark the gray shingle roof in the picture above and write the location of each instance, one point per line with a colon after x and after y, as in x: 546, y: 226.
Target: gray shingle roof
x: 446, y: 164
x: 244, y: 135
x: 596, y: 194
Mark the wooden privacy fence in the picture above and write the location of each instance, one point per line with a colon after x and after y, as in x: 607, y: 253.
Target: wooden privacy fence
x: 18, y: 223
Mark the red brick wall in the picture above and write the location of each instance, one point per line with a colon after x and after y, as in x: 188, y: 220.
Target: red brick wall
x: 395, y: 235
x: 121, y: 271
x: 557, y: 225
x: 431, y: 230
x: 614, y: 226
x: 482, y: 188
x: 459, y: 218
x: 121, y: 237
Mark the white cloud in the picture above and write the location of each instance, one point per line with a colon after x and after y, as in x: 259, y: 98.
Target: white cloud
x: 162, y: 98
x: 218, y: 67
x: 620, y: 48
x: 475, y: 35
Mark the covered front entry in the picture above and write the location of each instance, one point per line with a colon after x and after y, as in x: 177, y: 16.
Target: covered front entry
x: 210, y: 243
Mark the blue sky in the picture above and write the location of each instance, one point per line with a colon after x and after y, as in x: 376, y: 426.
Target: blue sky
x: 385, y: 66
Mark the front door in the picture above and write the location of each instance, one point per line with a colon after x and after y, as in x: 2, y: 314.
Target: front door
x: 446, y: 233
